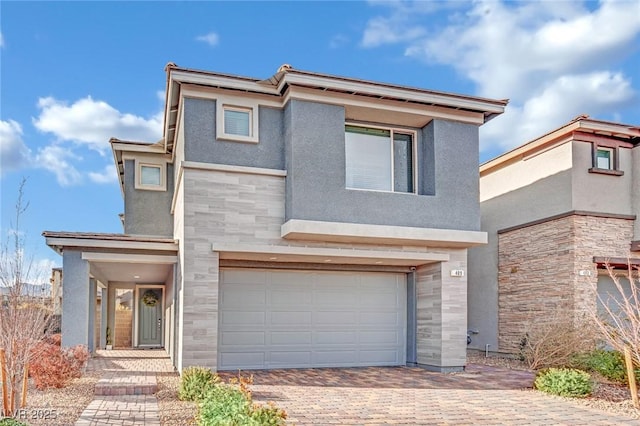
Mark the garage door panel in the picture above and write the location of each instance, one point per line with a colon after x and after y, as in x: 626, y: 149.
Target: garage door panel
x: 290, y: 358
x: 291, y: 337
x: 379, y: 357
x: 311, y: 319
x: 335, y: 317
x: 244, y: 276
x: 379, y: 318
x: 336, y: 357
x: 291, y: 318
x: 243, y: 296
x: 324, y: 297
x: 244, y: 359
x: 380, y: 337
x: 335, y: 337
x: 243, y: 338
x: 290, y: 297
x: 243, y: 318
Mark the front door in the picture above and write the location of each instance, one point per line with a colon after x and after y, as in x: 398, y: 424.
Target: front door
x: 150, y: 317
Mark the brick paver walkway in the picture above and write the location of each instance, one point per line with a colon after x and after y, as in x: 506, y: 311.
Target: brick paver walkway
x: 124, y: 393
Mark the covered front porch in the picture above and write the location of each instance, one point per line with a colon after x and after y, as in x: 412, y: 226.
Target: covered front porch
x: 118, y: 290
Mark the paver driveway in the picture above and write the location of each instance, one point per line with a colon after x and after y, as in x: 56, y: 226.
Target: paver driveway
x: 403, y: 395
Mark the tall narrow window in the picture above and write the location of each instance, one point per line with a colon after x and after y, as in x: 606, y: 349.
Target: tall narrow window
x: 604, y: 158
x: 379, y: 159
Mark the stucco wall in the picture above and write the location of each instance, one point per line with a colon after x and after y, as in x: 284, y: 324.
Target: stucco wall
x: 598, y: 192
x: 201, y: 143
x: 315, y: 164
x: 147, y: 212
x: 635, y: 190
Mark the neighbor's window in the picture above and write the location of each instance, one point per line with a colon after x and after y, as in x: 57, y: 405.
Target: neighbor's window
x: 150, y: 176
x: 604, y: 158
x: 379, y: 159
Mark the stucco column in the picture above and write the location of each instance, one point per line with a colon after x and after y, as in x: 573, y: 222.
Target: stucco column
x: 75, y: 300
x: 199, y: 307
x: 441, y: 315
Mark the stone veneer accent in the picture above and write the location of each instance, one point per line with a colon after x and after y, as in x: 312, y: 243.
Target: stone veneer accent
x: 539, y: 265
x: 229, y: 207
x: 441, y: 314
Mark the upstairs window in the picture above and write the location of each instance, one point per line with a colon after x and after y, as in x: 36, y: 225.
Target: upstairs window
x: 237, y: 120
x: 605, y: 160
x: 150, y: 176
x: 379, y: 159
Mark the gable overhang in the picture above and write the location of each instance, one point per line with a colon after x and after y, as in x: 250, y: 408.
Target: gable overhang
x: 59, y: 241
x: 121, y: 148
x: 580, y: 129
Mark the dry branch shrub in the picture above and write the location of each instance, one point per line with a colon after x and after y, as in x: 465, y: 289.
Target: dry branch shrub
x: 553, y: 341
x: 53, y: 366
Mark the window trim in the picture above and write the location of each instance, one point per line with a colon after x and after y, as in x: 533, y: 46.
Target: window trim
x: 414, y: 155
x: 614, y: 169
x: 147, y: 187
x: 237, y: 104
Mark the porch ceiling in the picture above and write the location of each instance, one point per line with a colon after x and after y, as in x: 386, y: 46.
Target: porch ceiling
x: 146, y: 273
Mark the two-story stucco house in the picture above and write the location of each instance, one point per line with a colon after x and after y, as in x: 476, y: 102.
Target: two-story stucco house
x: 555, y: 210
x: 304, y: 220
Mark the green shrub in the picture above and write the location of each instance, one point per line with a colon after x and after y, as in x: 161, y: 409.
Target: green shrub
x: 610, y: 364
x: 224, y: 405
x: 8, y: 421
x: 564, y: 382
x: 227, y: 404
x: 196, y: 382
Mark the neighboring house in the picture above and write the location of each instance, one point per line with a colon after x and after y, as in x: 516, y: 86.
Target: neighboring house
x: 305, y: 220
x: 555, y: 210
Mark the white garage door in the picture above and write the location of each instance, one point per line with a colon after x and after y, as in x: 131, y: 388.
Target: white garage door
x: 294, y: 319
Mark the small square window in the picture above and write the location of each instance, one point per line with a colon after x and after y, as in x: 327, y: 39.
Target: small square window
x: 150, y: 175
x: 604, y: 158
x: 237, y: 121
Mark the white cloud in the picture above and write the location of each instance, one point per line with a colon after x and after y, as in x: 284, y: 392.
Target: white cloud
x: 561, y: 100
x: 552, y: 59
x: 14, y: 154
x: 92, y: 123
x: 338, y: 40
x: 211, y: 39
x: 107, y: 175
x: 56, y: 159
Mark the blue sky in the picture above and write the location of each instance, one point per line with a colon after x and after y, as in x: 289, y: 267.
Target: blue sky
x: 74, y: 74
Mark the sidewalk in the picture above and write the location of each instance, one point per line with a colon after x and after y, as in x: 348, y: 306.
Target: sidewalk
x: 125, y: 393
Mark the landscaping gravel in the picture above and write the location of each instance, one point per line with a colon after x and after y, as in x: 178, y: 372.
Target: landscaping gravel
x: 174, y: 412
x: 607, y: 396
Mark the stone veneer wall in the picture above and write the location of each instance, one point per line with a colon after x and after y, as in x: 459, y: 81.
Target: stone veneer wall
x: 538, y: 271
x: 123, y: 329
x: 441, y: 314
